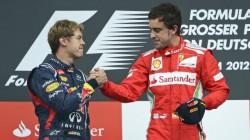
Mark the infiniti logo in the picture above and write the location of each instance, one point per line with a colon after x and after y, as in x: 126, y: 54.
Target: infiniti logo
x: 75, y: 115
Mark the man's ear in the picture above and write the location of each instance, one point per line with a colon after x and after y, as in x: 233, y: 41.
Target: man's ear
x: 174, y: 30
x: 63, y: 41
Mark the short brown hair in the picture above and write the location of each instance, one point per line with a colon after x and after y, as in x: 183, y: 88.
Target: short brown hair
x: 167, y: 13
x: 62, y: 28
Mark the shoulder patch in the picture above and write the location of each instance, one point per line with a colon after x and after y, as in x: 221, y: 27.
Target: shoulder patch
x: 193, y: 46
x: 52, y: 87
x: 148, y: 52
x: 50, y: 68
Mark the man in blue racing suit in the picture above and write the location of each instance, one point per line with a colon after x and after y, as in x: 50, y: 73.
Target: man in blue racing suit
x: 60, y: 92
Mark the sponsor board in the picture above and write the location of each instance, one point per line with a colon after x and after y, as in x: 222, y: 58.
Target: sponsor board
x: 18, y: 121
x: 126, y: 121
x: 116, y: 36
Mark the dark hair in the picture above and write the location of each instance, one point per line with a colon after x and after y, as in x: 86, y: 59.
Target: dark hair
x: 167, y: 13
x: 62, y: 28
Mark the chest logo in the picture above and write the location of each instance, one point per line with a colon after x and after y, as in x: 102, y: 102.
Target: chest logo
x: 63, y: 78
x: 187, y: 61
x: 60, y: 72
x: 172, y: 78
x: 156, y: 63
x: 181, y: 57
x: 78, y: 77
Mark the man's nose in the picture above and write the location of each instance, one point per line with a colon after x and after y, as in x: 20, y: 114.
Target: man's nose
x: 83, y: 42
x: 152, y: 34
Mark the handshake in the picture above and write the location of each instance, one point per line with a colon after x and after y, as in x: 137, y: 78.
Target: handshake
x: 99, y: 75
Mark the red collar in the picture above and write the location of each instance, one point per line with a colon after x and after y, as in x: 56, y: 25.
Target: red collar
x: 175, y: 49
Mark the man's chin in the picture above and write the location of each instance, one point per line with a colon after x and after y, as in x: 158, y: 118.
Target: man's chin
x: 78, y: 56
x: 157, y: 47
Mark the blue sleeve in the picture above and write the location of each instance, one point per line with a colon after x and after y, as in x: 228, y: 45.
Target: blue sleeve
x: 43, y: 84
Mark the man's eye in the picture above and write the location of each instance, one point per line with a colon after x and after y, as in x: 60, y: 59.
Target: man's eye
x: 157, y: 30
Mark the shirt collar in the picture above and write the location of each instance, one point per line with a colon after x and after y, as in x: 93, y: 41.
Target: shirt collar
x: 175, y: 49
x: 62, y: 65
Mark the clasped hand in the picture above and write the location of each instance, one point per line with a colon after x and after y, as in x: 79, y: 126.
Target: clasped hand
x: 99, y: 75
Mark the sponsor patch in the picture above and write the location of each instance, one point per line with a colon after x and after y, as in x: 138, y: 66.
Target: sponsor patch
x: 149, y: 52
x: 87, y: 89
x: 60, y: 72
x: 52, y: 87
x: 171, y: 78
x: 156, y: 63
x: 74, y: 133
x: 70, y: 90
x: 131, y: 71
x: 218, y: 76
x: 78, y: 77
x: 187, y: 61
x: 47, y: 83
x: 63, y: 78
x: 181, y: 57
x: 158, y: 116
x: 194, y: 110
x: 55, y: 93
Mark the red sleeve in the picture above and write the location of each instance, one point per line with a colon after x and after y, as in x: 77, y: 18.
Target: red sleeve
x: 132, y: 87
x: 214, y: 82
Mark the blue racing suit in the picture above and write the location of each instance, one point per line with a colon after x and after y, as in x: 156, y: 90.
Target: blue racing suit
x: 60, y: 94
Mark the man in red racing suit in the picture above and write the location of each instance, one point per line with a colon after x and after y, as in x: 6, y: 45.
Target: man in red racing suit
x: 171, y: 74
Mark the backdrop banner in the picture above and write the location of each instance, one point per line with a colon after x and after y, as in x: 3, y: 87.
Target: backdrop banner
x: 116, y: 32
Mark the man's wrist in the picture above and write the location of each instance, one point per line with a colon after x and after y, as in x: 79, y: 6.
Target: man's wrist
x: 93, y: 83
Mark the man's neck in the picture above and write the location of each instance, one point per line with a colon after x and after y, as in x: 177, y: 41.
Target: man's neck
x: 176, y: 40
x: 65, y: 59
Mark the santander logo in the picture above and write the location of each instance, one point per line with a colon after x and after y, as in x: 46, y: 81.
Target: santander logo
x: 154, y: 81
x: 170, y: 78
x: 21, y: 131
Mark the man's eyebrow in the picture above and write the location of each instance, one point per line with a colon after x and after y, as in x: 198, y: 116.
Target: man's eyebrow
x: 156, y: 28
x: 78, y: 35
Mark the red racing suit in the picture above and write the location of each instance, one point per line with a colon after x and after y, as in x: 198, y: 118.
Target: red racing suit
x: 171, y: 76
